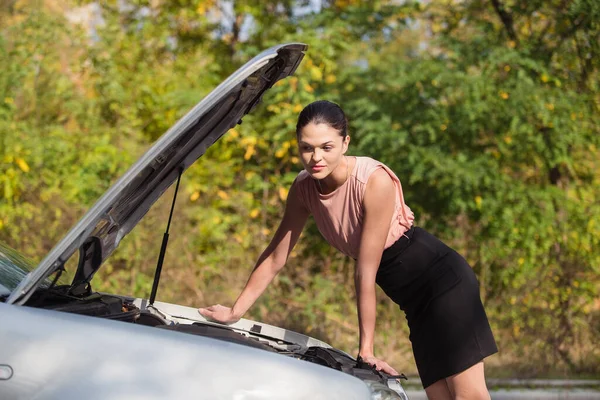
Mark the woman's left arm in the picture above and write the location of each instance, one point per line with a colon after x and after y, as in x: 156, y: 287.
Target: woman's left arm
x: 379, y: 202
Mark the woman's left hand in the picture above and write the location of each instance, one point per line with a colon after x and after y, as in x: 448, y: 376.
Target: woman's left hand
x: 379, y: 365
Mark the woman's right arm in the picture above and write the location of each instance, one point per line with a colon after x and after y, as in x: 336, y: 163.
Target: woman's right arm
x: 269, y: 263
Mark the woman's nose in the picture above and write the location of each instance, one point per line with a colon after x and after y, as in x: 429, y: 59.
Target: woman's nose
x: 317, y: 155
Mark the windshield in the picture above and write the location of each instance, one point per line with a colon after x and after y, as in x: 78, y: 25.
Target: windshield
x: 13, y: 268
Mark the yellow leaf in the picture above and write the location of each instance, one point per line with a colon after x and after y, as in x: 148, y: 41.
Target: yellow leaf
x: 512, y: 44
x: 1, y: 224
x: 521, y: 261
x: 234, y: 133
x: 308, y: 88
x: 280, y: 153
x: 507, y: 139
x: 330, y: 78
x: 507, y: 68
x: 195, y: 196
x: 265, y: 231
x: 254, y: 213
x: 223, y: 195
x: 22, y: 164
x: 283, y: 192
x: 293, y: 82
x: 504, y: 95
x: 478, y: 201
x: 544, y: 78
x: 297, y: 108
x: 250, y: 151
x: 9, y: 100
x: 443, y: 127
x: 295, y: 160
x: 316, y: 74
x: 550, y: 106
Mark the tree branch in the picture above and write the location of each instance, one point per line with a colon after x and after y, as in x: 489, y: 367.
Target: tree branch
x: 506, y: 19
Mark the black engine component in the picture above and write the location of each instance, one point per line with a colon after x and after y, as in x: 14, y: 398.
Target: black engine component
x: 148, y: 319
x: 342, y: 362
x: 94, y: 305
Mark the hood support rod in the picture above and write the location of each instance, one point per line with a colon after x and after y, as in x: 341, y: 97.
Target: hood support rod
x: 163, y: 247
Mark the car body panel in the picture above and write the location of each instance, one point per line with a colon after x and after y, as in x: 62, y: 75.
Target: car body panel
x: 56, y: 355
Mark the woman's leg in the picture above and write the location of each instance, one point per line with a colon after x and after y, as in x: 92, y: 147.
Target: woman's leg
x: 438, y: 391
x: 468, y: 384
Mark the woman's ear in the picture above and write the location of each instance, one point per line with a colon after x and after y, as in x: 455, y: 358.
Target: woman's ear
x: 345, y: 144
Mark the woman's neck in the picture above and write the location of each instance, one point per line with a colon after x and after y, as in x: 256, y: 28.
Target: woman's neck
x: 337, y: 178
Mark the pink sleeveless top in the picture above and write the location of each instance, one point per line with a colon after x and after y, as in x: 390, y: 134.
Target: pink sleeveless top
x: 339, y: 214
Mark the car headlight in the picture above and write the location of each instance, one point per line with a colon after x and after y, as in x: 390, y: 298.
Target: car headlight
x: 379, y: 391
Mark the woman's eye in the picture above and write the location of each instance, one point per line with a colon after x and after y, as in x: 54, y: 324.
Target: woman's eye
x: 327, y: 148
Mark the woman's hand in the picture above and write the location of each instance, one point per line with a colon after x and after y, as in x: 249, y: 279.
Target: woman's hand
x: 219, y: 313
x: 379, y: 365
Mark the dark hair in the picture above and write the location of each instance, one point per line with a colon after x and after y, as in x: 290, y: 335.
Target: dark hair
x: 323, y: 112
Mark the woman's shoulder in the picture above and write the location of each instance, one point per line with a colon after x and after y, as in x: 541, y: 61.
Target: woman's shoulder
x: 301, y: 187
x: 302, y: 175
x: 301, y: 182
x: 365, y: 166
x: 368, y: 161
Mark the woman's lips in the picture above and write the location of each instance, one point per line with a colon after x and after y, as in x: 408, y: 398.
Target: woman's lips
x: 317, y: 168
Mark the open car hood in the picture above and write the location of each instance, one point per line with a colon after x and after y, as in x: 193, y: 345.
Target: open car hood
x: 118, y: 211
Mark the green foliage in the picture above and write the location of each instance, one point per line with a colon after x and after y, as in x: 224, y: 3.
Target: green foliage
x: 487, y: 111
x: 496, y: 146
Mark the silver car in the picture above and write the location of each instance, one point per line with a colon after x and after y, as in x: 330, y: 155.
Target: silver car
x: 62, y: 340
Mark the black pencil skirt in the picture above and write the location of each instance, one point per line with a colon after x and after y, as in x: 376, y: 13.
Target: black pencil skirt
x: 439, y: 294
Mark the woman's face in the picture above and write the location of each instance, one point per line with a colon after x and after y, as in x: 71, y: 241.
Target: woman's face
x: 321, y: 149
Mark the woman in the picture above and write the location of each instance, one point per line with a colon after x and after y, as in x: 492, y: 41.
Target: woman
x: 359, y: 208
